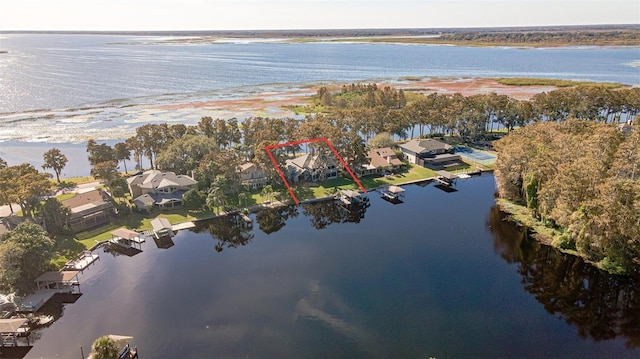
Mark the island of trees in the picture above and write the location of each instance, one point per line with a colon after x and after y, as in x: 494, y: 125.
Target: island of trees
x: 564, y: 158
x: 530, y: 38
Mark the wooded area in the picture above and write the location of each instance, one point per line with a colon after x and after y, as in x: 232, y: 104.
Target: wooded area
x: 351, y: 116
x: 533, y: 38
x: 580, y: 177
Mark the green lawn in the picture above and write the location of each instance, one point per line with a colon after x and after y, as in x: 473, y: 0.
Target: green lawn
x: 138, y: 222
x: 330, y: 187
x: 68, y: 246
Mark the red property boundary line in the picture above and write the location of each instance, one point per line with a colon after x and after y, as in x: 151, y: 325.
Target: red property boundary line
x: 294, y: 143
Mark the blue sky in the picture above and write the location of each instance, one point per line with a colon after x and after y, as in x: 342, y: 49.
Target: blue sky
x: 307, y: 14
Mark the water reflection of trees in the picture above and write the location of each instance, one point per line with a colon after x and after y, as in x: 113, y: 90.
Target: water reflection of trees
x: 273, y: 219
x: 600, y: 305
x: 229, y: 232
x: 325, y: 213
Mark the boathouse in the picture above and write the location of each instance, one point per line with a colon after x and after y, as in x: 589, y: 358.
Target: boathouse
x: 62, y: 280
x: 161, y: 227
x: 127, y: 238
x: 10, y: 329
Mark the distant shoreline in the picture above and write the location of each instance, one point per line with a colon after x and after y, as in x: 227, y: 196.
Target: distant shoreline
x: 531, y: 36
x: 333, y: 32
x: 287, y: 103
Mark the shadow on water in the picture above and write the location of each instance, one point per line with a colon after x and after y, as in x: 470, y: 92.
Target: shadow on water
x: 232, y: 231
x: 271, y: 220
x: 600, y: 305
x: 325, y: 213
x: 228, y: 231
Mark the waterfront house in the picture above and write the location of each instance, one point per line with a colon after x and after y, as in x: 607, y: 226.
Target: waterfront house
x: 429, y: 152
x: 252, y: 176
x: 312, y: 168
x: 159, y: 189
x: 89, y: 209
x: 380, y: 159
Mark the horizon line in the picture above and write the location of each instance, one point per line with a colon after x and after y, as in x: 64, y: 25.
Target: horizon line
x: 312, y: 31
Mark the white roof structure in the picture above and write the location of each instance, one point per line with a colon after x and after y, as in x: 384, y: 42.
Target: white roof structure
x: 11, y: 325
x: 160, y: 224
x: 395, y: 189
x: 126, y: 234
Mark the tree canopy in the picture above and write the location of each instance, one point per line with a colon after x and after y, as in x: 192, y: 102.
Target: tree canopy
x: 581, y: 177
x: 105, y: 348
x: 25, y: 253
x: 55, y: 160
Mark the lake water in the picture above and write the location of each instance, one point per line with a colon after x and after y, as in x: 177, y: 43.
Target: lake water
x: 67, y: 71
x: 65, y: 89
x: 439, y: 275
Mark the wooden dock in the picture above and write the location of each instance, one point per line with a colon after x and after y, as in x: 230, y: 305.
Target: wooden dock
x: 446, y: 178
x: 185, y: 225
x: 33, y: 302
x: 81, y: 262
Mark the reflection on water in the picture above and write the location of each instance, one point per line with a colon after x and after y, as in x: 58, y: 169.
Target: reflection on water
x: 409, y: 281
x: 325, y: 213
x: 228, y: 231
x: 271, y: 220
x: 600, y: 305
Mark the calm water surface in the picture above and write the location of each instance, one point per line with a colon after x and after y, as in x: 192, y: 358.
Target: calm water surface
x: 60, y: 90
x: 64, y: 71
x: 439, y: 275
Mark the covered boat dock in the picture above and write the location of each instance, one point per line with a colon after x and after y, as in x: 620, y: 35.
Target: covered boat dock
x: 161, y: 227
x: 49, y: 284
x: 127, y: 238
x: 446, y: 178
x: 11, y: 329
x: 393, y: 192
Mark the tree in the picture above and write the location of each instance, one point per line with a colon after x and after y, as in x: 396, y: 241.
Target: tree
x: 28, y: 186
x: 8, y: 187
x: 3, y: 163
x: 106, y: 170
x: 55, y: 160
x: 55, y: 215
x: 135, y: 145
x: 193, y: 199
x: 267, y: 191
x: 105, y: 348
x: 184, y: 154
x: 381, y: 140
x: 33, y: 251
x: 118, y: 186
x: 122, y: 153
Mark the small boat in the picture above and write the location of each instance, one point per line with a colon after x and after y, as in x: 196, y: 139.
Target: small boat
x: 45, y: 319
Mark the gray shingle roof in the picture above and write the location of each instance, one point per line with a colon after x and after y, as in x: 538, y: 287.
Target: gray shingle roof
x: 425, y: 146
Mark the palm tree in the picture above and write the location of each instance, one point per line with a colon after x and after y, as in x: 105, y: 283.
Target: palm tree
x: 242, y: 198
x: 105, y: 348
x: 55, y: 160
x: 267, y: 191
x: 212, y: 202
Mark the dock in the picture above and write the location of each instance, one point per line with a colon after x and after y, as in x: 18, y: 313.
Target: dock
x: 49, y: 284
x: 85, y: 259
x: 127, y: 238
x: 393, y: 192
x: 161, y: 227
x: 10, y: 330
x: 446, y: 178
x: 180, y: 226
